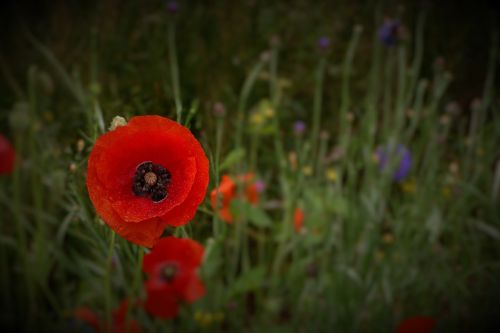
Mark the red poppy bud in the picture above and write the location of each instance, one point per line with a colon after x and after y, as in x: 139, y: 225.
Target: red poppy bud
x: 147, y: 175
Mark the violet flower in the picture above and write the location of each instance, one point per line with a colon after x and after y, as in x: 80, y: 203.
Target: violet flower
x: 402, y: 169
x: 299, y: 127
x: 388, y: 32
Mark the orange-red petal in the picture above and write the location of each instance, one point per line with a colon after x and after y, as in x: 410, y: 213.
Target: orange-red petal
x: 298, y: 219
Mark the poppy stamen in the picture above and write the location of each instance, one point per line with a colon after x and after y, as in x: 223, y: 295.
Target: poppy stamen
x: 151, y: 180
x: 168, y: 272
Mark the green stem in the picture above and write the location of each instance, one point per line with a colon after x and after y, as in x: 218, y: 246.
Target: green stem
x: 417, y: 59
x: 317, y: 106
x: 136, y: 283
x: 108, y: 291
x: 174, y: 70
x: 245, y: 93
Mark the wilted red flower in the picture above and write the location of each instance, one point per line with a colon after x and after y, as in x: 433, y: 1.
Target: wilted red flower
x: 7, y: 156
x: 298, y: 219
x: 227, y: 191
x: 146, y: 175
x: 88, y: 317
x: 416, y: 325
x: 172, y: 269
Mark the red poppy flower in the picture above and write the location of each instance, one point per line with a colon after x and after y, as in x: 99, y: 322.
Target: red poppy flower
x: 7, y: 156
x: 172, y: 269
x: 119, y: 323
x: 416, y: 325
x: 147, y: 175
x: 87, y: 316
x: 227, y: 191
x: 90, y: 318
x: 298, y: 219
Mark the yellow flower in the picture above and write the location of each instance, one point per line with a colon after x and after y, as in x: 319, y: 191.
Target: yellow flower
x: 446, y: 191
x: 219, y: 316
x: 207, y: 319
x: 379, y: 255
x: 284, y: 83
x: 388, y: 238
x: 198, y: 315
x: 256, y: 119
x: 409, y: 186
x: 292, y: 159
x: 268, y: 112
x: 204, y: 319
x: 331, y: 174
x: 307, y: 170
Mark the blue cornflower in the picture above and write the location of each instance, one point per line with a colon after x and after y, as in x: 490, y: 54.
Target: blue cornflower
x: 299, y: 127
x: 388, y: 32
x: 172, y: 6
x: 323, y: 42
x: 402, y: 154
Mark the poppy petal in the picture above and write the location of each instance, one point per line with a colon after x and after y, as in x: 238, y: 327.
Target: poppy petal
x: 144, y: 233
x: 161, y: 303
x: 7, y: 156
x: 186, y: 251
x: 419, y: 324
x: 112, y: 166
x: 116, y: 168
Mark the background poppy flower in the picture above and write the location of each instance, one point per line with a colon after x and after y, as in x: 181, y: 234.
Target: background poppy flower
x: 119, y: 323
x: 298, y: 219
x: 227, y: 191
x: 146, y: 175
x: 88, y: 317
x: 7, y: 156
x: 416, y: 325
x: 171, y: 266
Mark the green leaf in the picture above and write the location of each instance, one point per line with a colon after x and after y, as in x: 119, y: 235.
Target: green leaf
x: 232, y: 158
x: 251, y: 280
x: 213, y: 258
x: 255, y: 215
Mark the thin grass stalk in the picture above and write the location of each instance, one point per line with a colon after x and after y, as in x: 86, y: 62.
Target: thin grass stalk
x: 317, y: 106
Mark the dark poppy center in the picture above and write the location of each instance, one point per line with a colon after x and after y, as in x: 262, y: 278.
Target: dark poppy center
x: 151, y: 181
x: 168, y: 272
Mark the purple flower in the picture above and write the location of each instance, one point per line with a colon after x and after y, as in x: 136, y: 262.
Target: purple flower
x: 403, y: 156
x: 260, y: 186
x: 219, y: 109
x: 323, y: 42
x: 172, y: 7
x: 299, y: 127
x: 388, y: 32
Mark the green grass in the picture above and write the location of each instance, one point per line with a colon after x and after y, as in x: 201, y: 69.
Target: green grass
x: 370, y: 252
